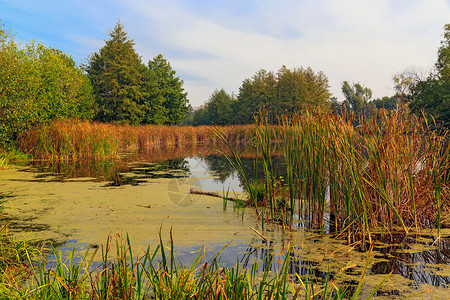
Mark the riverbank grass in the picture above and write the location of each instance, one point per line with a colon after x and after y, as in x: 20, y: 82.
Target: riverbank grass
x: 157, y: 274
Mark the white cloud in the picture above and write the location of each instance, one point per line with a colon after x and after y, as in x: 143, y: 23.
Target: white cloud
x: 356, y: 40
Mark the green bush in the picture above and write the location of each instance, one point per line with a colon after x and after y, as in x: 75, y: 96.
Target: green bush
x: 38, y: 84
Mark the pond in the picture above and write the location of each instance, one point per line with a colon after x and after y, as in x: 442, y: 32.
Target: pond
x: 78, y: 205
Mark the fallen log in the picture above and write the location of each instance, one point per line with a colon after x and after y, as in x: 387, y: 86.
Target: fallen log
x: 213, y: 194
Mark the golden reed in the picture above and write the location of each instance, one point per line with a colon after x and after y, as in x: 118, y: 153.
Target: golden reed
x: 74, y: 140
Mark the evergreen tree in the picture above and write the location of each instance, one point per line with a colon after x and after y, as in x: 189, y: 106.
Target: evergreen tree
x: 220, y: 107
x: 118, y: 78
x: 152, y: 102
x: 200, y: 116
x: 175, y: 100
x: 218, y: 110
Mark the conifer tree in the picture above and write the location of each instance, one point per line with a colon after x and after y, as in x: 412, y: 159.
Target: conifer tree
x: 117, y: 75
x: 175, y: 101
x: 153, y: 111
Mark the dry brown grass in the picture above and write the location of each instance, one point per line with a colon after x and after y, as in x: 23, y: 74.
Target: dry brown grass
x: 389, y: 172
x: 75, y: 140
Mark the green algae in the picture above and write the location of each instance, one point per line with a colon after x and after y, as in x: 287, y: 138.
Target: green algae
x: 84, y: 212
x: 89, y: 211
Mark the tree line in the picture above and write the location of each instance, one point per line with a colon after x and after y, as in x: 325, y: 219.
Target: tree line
x: 289, y: 91
x: 39, y: 84
x: 284, y: 92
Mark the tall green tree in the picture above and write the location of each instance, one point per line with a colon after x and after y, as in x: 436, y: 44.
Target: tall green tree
x: 255, y: 94
x: 301, y: 87
x: 38, y: 84
x: 152, y: 101
x: 220, y: 107
x: 357, y: 97
x: 217, y: 110
x: 175, y: 101
x: 117, y: 76
x: 286, y: 92
x: 433, y: 93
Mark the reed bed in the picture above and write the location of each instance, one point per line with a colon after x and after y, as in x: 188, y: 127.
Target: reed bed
x: 358, y: 175
x: 388, y: 172
x: 74, y: 140
x: 157, y: 274
x: 385, y: 173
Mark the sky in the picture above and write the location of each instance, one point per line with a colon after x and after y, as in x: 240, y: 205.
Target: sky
x: 215, y: 44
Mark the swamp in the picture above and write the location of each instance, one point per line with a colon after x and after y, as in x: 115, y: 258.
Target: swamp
x: 113, y: 186
x: 360, y: 207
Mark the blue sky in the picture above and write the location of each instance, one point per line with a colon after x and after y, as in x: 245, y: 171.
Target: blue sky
x: 217, y: 44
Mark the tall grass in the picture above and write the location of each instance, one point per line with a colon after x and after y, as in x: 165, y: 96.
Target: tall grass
x: 74, y: 140
x: 387, y: 172
x: 158, y: 274
x: 3, y: 162
x: 12, y: 155
x: 14, y: 269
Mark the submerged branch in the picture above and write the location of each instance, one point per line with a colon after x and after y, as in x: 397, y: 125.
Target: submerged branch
x: 213, y: 194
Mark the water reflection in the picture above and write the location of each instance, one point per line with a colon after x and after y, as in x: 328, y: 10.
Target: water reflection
x: 132, y: 168
x: 410, y: 259
x: 175, y: 168
x: 418, y: 258
x: 419, y: 266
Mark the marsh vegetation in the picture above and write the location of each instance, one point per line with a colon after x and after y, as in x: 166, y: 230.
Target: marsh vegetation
x: 364, y: 183
x: 322, y: 184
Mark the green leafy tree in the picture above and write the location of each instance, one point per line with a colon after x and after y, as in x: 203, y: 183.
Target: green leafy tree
x: 388, y: 103
x: 117, y: 75
x: 299, y: 88
x: 175, y: 100
x: 64, y: 89
x: 357, y: 97
x: 288, y: 92
x: 18, y: 84
x: 38, y: 84
x: 254, y: 94
x: 217, y: 110
x: 433, y: 94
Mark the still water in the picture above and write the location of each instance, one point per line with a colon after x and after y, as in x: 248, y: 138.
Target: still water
x: 79, y: 205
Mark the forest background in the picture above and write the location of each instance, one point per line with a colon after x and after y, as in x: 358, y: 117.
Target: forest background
x: 40, y: 84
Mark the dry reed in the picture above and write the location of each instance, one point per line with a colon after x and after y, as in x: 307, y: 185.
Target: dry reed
x: 388, y: 172
x: 75, y: 140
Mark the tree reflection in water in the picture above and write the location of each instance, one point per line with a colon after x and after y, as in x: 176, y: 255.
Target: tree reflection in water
x: 418, y: 266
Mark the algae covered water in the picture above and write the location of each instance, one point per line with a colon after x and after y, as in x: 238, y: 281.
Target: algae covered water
x: 79, y: 205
